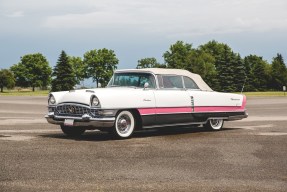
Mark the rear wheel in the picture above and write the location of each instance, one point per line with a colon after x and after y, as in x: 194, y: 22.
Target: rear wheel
x: 214, y: 124
x: 72, y: 131
x: 124, y: 125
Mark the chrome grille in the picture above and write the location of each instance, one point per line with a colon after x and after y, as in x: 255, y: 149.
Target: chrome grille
x: 72, y: 110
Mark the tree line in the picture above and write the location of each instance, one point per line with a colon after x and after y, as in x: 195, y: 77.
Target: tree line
x: 222, y: 68
x: 33, y: 70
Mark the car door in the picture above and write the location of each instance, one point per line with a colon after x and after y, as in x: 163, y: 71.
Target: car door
x: 173, y: 103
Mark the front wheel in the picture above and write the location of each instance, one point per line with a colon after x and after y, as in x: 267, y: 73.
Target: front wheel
x: 124, y: 125
x: 214, y: 124
x: 73, y: 131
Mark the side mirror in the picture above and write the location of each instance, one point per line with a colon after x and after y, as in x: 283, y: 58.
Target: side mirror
x: 146, y: 85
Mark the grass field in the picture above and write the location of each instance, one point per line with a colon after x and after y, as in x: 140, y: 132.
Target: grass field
x: 28, y: 92
x: 265, y: 94
x: 25, y: 92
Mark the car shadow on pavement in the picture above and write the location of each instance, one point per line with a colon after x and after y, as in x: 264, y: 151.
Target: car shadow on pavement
x: 159, y: 132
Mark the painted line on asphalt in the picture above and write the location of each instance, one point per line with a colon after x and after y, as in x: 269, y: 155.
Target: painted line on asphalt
x: 16, y: 138
x: 272, y: 134
x: 253, y: 127
x: 30, y: 131
x: 264, y: 118
x: 22, y: 121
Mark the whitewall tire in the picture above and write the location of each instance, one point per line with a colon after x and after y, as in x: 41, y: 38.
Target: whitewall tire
x: 124, y: 125
x: 214, y: 124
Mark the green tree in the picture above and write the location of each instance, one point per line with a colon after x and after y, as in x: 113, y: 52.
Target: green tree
x: 239, y: 75
x: 225, y: 68
x: 279, y: 73
x: 181, y: 55
x: 221, y: 53
x: 248, y: 63
x: 202, y: 63
x: 229, y: 66
x: 260, y: 81
x: 100, y: 65
x: 178, y: 55
x: 33, y: 70
x: 257, y: 73
x: 63, y: 73
x: 214, y: 48
x: 20, y: 72
x: 149, y: 62
x: 78, y: 67
x: 6, y: 79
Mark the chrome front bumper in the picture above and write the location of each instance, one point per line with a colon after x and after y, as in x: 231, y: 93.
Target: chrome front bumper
x: 84, y: 121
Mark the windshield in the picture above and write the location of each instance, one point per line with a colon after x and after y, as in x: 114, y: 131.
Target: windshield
x: 132, y: 80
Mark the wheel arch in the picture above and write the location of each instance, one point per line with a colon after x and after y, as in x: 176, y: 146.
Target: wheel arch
x: 137, y: 116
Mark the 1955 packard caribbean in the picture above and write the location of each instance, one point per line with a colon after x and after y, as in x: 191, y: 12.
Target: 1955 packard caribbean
x: 142, y: 99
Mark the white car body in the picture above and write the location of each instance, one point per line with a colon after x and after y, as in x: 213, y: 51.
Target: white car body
x: 157, y: 105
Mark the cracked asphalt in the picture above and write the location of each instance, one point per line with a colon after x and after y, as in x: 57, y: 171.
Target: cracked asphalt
x: 247, y: 155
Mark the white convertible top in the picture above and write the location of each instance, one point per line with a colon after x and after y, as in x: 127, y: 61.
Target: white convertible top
x: 163, y: 71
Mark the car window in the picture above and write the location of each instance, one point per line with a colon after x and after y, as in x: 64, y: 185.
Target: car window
x: 189, y: 83
x: 159, y: 80
x: 172, y: 81
x: 132, y: 80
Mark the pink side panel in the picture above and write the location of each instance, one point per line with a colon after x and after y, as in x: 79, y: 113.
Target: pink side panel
x: 152, y: 111
x: 165, y: 110
x: 174, y: 110
x: 147, y: 111
x: 218, y: 109
x: 244, y: 102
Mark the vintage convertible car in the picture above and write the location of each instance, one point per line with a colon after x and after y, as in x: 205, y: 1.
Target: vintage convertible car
x: 142, y: 99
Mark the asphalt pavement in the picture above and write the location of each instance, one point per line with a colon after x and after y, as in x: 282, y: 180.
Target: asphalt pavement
x: 247, y: 155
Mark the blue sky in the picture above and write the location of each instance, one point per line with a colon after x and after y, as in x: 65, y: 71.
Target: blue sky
x: 136, y: 29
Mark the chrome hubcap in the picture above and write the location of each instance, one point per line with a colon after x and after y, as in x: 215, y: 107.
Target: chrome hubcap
x: 215, y: 122
x: 124, y: 124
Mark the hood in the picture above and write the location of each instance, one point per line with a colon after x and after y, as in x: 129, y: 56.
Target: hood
x: 75, y: 96
x: 83, y: 96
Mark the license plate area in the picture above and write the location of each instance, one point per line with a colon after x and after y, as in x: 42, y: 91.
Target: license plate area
x: 69, y: 122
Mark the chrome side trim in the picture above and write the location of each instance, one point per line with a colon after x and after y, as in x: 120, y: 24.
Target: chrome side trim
x: 184, y: 124
x: 177, y: 124
x: 196, y: 112
x: 166, y: 113
x: 230, y: 118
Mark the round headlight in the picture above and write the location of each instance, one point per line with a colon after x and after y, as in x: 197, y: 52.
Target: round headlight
x: 95, y: 102
x: 52, y: 100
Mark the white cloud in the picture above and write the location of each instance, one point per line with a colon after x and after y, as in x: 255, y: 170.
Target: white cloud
x: 170, y: 17
x: 14, y: 14
x: 176, y: 17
